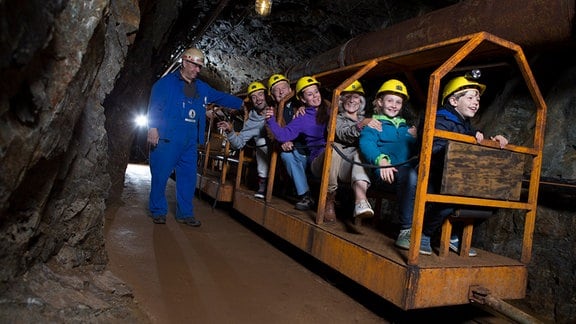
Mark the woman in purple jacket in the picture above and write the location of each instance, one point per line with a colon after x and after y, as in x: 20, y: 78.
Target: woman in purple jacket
x: 311, y: 126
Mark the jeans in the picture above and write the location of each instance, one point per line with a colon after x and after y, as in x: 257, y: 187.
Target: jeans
x: 405, y: 188
x: 295, y: 164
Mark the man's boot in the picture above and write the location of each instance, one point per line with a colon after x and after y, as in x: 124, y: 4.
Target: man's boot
x: 329, y: 212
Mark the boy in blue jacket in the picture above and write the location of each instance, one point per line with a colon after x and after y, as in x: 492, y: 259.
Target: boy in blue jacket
x: 460, y: 102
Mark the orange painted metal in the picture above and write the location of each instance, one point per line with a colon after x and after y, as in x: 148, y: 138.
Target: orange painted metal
x: 422, y: 197
x: 402, y: 277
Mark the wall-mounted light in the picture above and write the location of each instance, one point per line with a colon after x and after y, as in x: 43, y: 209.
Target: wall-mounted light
x: 263, y: 7
x: 141, y: 121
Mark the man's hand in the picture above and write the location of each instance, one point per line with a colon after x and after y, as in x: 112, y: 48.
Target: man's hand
x: 153, y: 136
x: 269, y: 112
x: 210, y: 114
x: 225, y: 126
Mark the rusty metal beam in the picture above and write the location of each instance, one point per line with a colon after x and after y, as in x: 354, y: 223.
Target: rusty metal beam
x: 527, y: 23
x: 482, y: 296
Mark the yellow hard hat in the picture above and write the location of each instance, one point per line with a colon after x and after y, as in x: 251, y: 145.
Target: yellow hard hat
x: 195, y: 55
x: 255, y: 86
x: 356, y: 86
x: 461, y: 83
x: 394, y: 86
x: 275, y: 78
x: 305, y: 82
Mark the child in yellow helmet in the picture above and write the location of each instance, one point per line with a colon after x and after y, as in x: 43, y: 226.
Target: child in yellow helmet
x: 391, y: 149
x: 460, y: 102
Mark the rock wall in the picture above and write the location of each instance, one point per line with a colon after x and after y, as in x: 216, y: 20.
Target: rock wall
x: 59, y: 60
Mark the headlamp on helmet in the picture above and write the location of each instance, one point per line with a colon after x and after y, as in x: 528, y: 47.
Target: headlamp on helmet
x: 194, y: 55
x: 462, y: 83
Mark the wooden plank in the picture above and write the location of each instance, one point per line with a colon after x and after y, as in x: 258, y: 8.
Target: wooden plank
x: 370, y: 258
x: 477, y: 171
x: 211, y: 186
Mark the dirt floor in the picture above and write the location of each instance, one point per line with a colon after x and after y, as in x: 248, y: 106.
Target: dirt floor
x: 230, y: 270
x: 221, y: 272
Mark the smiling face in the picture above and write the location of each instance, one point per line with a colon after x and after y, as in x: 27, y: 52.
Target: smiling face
x: 189, y: 69
x: 258, y: 99
x: 466, y: 102
x: 280, y: 90
x: 311, y: 96
x: 351, y: 103
x: 389, y: 104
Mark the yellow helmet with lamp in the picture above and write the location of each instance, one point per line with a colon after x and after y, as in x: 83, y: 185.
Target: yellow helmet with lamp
x: 394, y: 86
x: 461, y: 83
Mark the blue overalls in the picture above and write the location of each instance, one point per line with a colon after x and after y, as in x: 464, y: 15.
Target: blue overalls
x: 181, y: 122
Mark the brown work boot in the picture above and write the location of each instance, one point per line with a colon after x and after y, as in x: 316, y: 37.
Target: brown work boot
x: 329, y: 212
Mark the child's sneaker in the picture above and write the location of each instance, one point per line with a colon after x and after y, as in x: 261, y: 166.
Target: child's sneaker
x: 403, y: 240
x: 425, y: 247
x: 455, y: 246
x: 363, y: 209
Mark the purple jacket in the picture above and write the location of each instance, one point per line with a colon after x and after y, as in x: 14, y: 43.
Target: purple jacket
x: 314, y: 134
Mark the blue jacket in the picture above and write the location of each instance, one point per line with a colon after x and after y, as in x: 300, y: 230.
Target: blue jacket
x: 313, y: 133
x: 393, y: 142
x: 170, y: 110
x: 448, y: 119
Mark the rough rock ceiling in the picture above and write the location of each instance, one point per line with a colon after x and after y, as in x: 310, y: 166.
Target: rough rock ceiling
x: 243, y: 46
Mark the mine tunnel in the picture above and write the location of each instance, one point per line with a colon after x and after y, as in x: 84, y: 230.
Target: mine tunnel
x: 78, y: 240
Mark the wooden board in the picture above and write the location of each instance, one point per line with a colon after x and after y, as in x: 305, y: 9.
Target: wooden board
x: 370, y: 258
x: 478, y: 171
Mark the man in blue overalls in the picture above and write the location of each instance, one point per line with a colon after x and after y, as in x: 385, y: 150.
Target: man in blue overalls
x: 176, y: 124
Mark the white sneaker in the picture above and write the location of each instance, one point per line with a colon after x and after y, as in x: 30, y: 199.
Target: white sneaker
x: 363, y: 209
x: 455, y: 247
